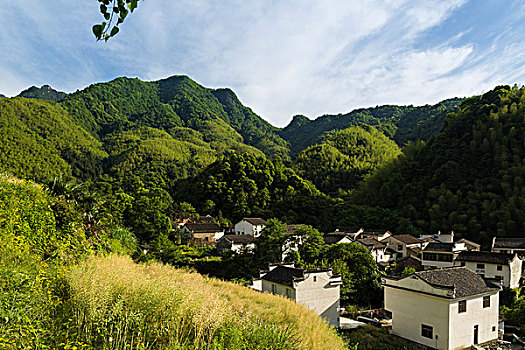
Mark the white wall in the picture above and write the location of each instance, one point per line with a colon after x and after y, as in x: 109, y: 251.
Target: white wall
x: 462, y: 324
x: 410, y: 310
x: 243, y: 227
x: 320, y: 296
x: 511, y: 274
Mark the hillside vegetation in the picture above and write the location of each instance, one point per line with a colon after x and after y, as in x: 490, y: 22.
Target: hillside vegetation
x: 59, y: 290
x: 470, y: 178
x: 343, y: 159
x: 400, y: 123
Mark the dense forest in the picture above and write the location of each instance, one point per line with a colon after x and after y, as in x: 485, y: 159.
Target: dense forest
x: 146, y: 148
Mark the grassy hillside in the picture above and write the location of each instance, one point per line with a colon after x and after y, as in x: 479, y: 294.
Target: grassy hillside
x: 119, y: 305
x: 45, y: 92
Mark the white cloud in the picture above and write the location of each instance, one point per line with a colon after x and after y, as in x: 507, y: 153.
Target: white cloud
x: 280, y: 57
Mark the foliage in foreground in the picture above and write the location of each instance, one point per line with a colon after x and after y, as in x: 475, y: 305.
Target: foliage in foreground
x: 372, y: 338
x: 117, y: 304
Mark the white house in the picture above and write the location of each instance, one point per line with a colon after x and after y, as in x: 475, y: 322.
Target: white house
x: 500, y: 267
x: 403, y: 244
x: 201, y: 233
x: 236, y: 243
x: 509, y: 245
x: 376, y: 248
x: 317, y: 289
x: 449, y: 308
x: 438, y: 255
x: 379, y: 234
x: 250, y: 226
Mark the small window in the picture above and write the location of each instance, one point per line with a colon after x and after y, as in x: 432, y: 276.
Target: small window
x: 427, y: 331
x: 462, y: 263
x: 500, y: 268
x: 462, y: 306
x: 274, y: 289
x: 399, y: 247
x: 315, y: 278
x: 493, y: 328
x: 486, y: 301
x: 480, y: 266
x: 288, y: 293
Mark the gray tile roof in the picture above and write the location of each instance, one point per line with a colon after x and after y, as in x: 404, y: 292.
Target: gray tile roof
x: 464, y: 282
x: 333, y: 238
x: 284, y: 275
x: 439, y: 247
x: 255, y: 221
x: 407, y: 239
x: 203, y: 227
x: 371, y: 242
x: 509, y: 243
x: 485, y: 257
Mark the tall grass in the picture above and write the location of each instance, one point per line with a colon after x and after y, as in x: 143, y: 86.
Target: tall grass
x: 117, y: 304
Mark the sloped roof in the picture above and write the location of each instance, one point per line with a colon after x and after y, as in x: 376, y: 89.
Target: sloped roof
x: 240, y: 239
x: 371, y: 242
x: 333, y: 238
x: 510, y: 243
x: 284, y: 275
x: 375, y: 231
x: 439, y: 247
x: 469, y: 243
x: 464, y: 282
x: 485, y: 257
x: 255, y: 221
x: 407, y: 239
x: 203, y: 227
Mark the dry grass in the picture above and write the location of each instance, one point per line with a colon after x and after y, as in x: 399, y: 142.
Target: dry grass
x: 117, y: 304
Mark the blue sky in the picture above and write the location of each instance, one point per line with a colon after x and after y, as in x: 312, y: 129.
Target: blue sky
x: 281, y: 57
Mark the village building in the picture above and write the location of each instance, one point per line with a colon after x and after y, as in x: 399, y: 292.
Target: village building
x: 201, y: 234
x: 352, y: 232
x: 440, y: 237
x: 237, y: 244
x: 407, y: 262
x: 502, y: 268
x: 336, y: 238
x: 250, y: 226
x: 439, y: 255
x: 376, y: 248
x: 318, y: 289
x: 469, y: 245
x: 376, y: 233
x: 449, y: 308
x: 509, y: 245
x: 404, y: 245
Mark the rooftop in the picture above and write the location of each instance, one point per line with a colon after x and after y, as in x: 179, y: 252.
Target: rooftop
x: 469, y: 243
x: 203, y: 227
x: 255, y: 221
x: 511, y: 243
x: 371, y: 242
x: 332, y: 238
x: 464, y: 282
x: 439, y: 247
x: 407, y: 239
x: 286, y: 275
x: 485, y: 257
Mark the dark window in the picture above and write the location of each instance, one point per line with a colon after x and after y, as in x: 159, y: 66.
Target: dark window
x: 462, y: 263
x: 399, y: 247
x: 430, y: 256
x: 462, y: 306
x: 493, y: 328
x: 486, y: 301
x: 315, y: 278
x: 444, y: 257
x: 500, y: 268
x: 427, y: 331
x: 498, y: 278
x: 480, y: 266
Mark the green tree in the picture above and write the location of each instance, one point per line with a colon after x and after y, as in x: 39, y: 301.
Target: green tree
x: 270, y: 242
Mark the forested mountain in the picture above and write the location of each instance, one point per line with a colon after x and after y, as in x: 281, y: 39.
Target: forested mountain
x: 470, y: 178
x: 38, y: 140
x: 344, y: 158
x: 2, y: 96
x: 400, y: 123
x: 45, y: 92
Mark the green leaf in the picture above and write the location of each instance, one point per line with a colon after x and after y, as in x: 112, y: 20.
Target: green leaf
x: 114, y: 31
x: 97, y: 30
x: 103, y: 9
x: 107, y: 16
